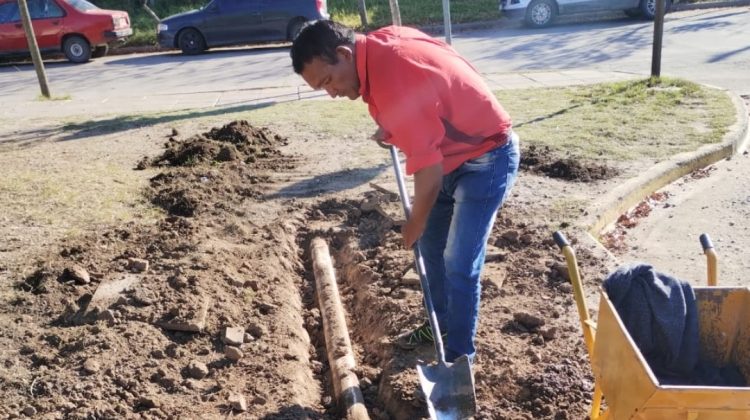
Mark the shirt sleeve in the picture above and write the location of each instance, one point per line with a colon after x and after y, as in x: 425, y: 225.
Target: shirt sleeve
x: 409, y: 110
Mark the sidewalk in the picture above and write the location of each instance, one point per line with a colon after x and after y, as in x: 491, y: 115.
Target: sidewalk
x: 95, y: 104
x: 715, y: 201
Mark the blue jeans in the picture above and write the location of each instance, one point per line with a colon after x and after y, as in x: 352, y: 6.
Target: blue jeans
x: 454, y: 242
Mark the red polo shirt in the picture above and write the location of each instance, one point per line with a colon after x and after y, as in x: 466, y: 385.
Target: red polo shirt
x: 433, y: 105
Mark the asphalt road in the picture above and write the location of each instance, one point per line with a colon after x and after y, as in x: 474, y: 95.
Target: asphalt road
x: 709, y: 46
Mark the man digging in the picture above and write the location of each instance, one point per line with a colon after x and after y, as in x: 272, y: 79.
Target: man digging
x: 430, y: 103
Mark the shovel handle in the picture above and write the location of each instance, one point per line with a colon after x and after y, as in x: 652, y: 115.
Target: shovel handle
x: 431, y: 316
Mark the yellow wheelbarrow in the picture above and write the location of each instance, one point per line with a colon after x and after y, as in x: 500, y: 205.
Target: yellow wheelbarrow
x: 625, y: 379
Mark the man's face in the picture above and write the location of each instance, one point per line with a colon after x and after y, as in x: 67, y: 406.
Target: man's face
x: 338, y: 79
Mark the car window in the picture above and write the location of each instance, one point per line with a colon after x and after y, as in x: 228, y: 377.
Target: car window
x: 52, y: 9
x: 82, y: 5
x: 41, y: 9
x: 9, y: 12
x: 237, y: 5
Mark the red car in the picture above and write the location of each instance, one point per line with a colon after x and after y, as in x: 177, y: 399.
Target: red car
x: 76, y: 27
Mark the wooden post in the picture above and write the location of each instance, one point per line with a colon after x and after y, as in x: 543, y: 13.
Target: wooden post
x: 447, y: 21
x: 363, y: 13
x: 36, y: 57
x: 658, y: 33
x: 395, y: 12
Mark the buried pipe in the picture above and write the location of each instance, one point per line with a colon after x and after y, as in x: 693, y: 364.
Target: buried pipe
x: 338, y: 345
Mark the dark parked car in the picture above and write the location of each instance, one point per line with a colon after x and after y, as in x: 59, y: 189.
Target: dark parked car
x: 76, y: 27
x: 234, y: 22
x: 540, y: 13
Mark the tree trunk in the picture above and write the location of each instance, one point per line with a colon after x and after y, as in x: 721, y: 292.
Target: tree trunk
x: 362, y: 12
x: 395, y: 12
x: 36, y: 57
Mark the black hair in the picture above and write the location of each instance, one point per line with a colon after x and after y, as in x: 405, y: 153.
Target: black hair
x: 319, y: 38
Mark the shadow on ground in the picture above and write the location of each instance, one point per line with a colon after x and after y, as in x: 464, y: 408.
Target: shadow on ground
x: 92, y: 128
x: 328, y: 183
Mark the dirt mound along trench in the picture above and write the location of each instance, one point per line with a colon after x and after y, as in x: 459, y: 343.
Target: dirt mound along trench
x: 224, y: 263
x: 236, y: 141
x: 543, y: 161
x: 200, y: 314
x: 531, y: 361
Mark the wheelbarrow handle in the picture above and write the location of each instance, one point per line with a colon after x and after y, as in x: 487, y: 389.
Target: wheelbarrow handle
x: 431, y: 316
x: 560, y: 239
x: 712, y: 269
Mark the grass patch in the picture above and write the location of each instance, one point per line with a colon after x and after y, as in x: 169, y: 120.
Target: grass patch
x: 101, y: 195
x: 621, y: 121
x: 413, y: 12
x: 631, y: 120
x: 43, y: 98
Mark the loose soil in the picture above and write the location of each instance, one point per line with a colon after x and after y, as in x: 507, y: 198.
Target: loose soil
x: 137, y: 319
x: 541, y: 160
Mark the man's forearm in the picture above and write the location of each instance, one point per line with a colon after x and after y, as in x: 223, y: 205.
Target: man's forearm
x: 427, y: 184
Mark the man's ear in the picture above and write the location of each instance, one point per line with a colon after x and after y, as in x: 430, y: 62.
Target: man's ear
x: 345, y: 51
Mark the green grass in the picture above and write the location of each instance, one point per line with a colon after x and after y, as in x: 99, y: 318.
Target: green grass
x: 651, y: 119
x: 65, y: 97
x: 413, y: 12
x: 629, y: 120
x: 621, y: 121
x: 67, y: 198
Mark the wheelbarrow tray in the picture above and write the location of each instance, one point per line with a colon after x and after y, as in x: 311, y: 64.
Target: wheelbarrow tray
x: 630, y: 387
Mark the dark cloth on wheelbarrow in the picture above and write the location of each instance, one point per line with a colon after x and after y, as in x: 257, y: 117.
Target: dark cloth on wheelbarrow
x: 661, y: 315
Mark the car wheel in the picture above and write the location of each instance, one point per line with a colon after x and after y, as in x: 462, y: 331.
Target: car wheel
x: 648, y: 8
x: 100, y: 51
x: 540, y: 13
x: 77, y: 49
x: 294, y: 27
x: 191, y: 41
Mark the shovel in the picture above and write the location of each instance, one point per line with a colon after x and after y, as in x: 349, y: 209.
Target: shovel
x: 448, y: 387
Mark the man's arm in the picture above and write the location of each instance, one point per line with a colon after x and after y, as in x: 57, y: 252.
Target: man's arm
x: 427, y: 184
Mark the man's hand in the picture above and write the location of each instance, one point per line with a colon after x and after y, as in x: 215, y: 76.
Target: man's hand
x: 427, y: 184
x: 411, y: 231
x: 381, y: 137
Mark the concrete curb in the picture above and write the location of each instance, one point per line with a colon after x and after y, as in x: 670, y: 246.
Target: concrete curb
x: 609, y: 207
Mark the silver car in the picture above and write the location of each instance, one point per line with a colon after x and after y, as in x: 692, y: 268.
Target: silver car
x: 540, y: 13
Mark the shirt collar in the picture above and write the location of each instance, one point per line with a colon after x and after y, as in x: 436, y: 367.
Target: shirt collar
x: 360, y: 48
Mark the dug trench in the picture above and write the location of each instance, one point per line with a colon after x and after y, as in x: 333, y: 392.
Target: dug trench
x: 211, y: 312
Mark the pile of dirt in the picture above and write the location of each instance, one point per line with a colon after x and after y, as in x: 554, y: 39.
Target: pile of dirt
x: 198, y: 316
x: 236, y: 141
x: 211, y: 311
x: 531, y: 362
x: 542, y: 160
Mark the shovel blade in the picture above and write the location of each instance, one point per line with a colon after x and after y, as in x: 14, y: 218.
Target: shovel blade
x: 448, y: 389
